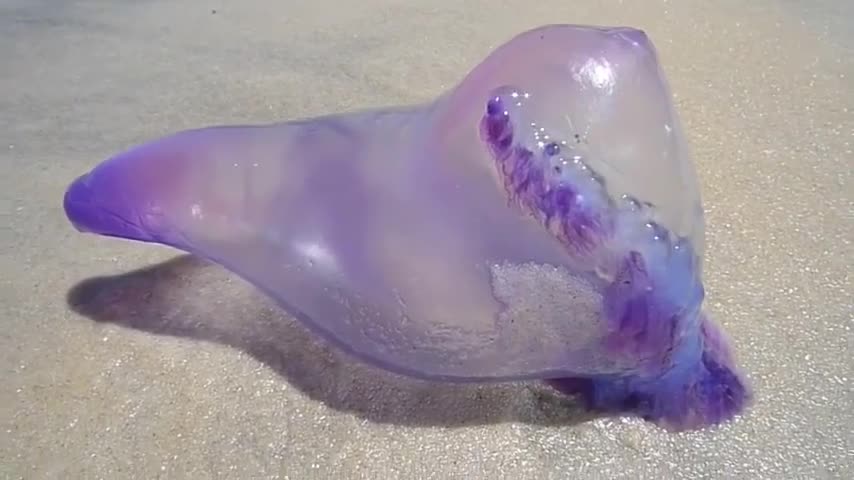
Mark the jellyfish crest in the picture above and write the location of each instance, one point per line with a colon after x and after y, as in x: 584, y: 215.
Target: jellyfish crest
x: 600, y: 95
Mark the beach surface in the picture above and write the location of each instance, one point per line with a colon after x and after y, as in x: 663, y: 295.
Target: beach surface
x: 126, y: 360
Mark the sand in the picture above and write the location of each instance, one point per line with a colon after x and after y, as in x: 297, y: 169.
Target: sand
x: 124, y: 360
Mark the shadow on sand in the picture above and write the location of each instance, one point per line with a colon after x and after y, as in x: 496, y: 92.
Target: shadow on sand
x: 188, y: 297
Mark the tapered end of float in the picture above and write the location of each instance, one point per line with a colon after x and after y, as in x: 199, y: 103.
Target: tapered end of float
x: 121, y: 198
x: 90, y: 212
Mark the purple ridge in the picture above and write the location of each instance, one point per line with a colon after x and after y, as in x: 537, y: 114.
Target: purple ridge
x: 559, y: 206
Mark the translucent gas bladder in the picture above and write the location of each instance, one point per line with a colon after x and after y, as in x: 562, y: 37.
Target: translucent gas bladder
x: 540, y: 220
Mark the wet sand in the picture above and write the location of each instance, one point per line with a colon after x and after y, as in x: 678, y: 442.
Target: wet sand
x: 124, y: 360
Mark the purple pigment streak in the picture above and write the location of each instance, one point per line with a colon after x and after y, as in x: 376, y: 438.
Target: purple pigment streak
x: 579, y: 226
x: 646, y: 326
x: 402, y: 235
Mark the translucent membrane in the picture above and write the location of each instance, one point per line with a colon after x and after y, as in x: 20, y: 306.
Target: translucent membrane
x: 541, y: 220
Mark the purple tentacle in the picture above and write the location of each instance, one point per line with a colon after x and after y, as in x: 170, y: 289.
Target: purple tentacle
x: 682, y: 375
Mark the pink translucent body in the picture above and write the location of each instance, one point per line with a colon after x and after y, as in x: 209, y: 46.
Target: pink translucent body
x: 418, y: 238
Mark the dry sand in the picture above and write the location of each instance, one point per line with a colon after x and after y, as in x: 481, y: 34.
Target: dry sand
x: 181, y: 371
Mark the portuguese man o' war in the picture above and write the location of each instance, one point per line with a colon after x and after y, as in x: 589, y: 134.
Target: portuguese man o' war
x: 541, y: 220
